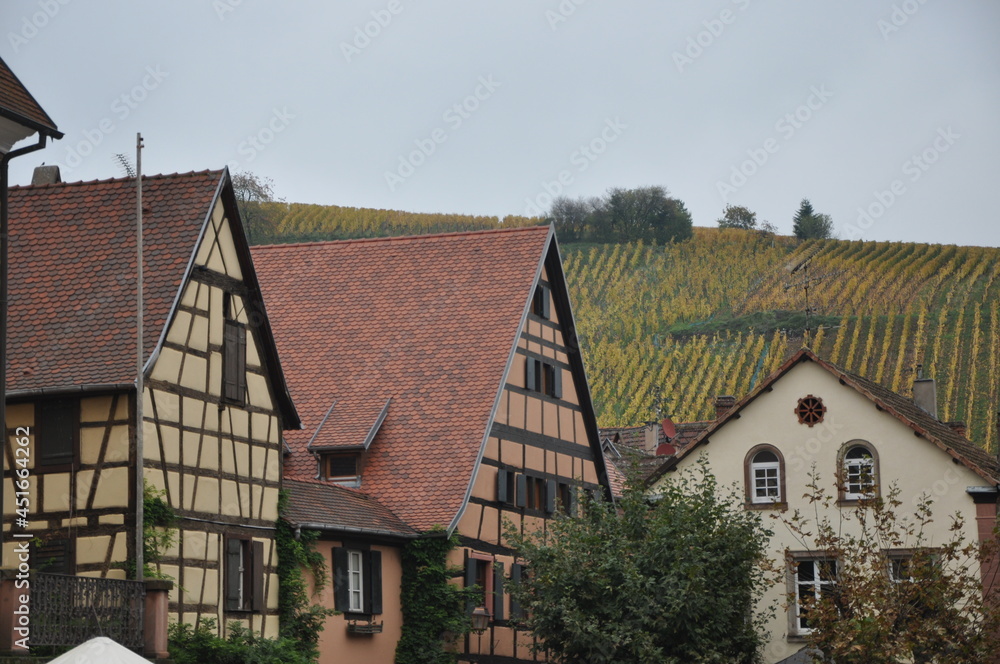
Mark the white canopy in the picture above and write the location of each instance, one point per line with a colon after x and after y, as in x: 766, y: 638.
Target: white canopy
x: 99, y: 650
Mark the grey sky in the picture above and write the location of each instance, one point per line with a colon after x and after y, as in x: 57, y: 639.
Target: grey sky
x: 680, y: 94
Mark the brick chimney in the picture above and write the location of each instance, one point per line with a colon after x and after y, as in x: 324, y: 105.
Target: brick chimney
x: 46, y: 175
x: 925, y: 395
x: 958, y: 427
x: 723, y: 404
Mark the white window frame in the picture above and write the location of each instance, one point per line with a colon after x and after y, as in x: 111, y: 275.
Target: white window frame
x: 858, y: 468
x: 355, y: 581
x: 765, y: 466
x: 817, y: 585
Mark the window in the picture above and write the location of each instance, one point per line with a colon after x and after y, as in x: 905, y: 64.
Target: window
x: 764, y: 471
x: 813, y: 578
x: 57, y: 425
x: 341, y: 468
x: 481, y: 571
x: 234, y: 358
x: 567, y: 499
x: 859, y: 472
x: 53, y: 557
x: 543, y: 377
x: 244, y: 574
x: 540, y: 302
x: 536, y: 493
x: 357, y: 580
x: 810, y: 410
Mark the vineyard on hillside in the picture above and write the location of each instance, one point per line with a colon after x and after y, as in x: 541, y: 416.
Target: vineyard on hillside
x: 714, y: 315
x: 298, y: 222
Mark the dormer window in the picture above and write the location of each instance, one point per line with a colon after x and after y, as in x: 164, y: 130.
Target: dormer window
x: 341, y: 468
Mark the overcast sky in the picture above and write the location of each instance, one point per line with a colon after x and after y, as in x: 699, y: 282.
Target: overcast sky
x: 890, y: 107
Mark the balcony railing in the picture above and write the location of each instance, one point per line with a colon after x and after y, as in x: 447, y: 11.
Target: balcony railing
x: 68, y: 610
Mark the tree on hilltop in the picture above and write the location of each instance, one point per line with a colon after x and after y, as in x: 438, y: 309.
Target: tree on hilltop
x: 253, y: 193
x: 623, y: 215
x: 808, y: 224
x: 737, y: 216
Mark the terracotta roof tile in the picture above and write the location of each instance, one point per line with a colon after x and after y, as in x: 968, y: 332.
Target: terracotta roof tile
x: 340, y: 508
x: 17, y: 102
x: 72, y: 274
x: 349, y: 423
x: 427, y: 321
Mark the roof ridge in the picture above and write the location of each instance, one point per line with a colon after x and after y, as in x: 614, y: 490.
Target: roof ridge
x: 81, y: 183
x: 402, y: 238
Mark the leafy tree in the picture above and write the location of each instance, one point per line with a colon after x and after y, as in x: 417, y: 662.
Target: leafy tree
x: 253, y: 194
x: 808, y: 224
x: 646, y: 213
x: 670, y: 582
x: 924, y: 606
x: 737, y: 216
x: 571, y: 216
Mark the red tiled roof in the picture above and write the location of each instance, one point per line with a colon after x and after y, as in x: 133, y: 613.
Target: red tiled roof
x: 314, y: 504
x: 905, y: 410
x: 350, y: 423
x: 18, y: 104
x: 427, y: 321
x: 72, y: 274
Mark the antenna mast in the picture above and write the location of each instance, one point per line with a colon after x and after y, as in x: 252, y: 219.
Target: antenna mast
x: 139, y: 383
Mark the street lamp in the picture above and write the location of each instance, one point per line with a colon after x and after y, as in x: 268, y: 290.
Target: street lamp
x: 20, y: 117
x: 480, y: 619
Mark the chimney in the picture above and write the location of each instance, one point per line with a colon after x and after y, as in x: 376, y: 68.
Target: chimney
x: 723, y: 404
x: 925, y: 395
x: 957, y: 427
x: 46, y: 175
x: 652, y: 439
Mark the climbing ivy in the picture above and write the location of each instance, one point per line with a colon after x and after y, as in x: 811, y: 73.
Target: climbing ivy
x: 300, y: 620
x: 434, y: 613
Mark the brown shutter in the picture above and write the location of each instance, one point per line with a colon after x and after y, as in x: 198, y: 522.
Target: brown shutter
x: 498, y: 592
x: 256, y: 576
x: 341, y: 600
x: 374, y: 599
x: 234, y: 361
x: 232, y: 574
x: 241, y: 363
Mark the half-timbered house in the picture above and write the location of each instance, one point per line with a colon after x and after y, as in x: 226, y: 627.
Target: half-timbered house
x: 440, y: 386
x: 215, y: 402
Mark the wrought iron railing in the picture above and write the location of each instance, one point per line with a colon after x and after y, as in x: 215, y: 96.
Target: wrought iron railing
x: 68, y: 610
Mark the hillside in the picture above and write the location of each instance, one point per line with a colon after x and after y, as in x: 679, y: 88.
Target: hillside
x: 712, y: 316
x: 679, y: 324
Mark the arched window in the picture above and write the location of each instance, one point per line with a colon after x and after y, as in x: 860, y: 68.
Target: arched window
x: 765, y: 477
x: 859, y: 468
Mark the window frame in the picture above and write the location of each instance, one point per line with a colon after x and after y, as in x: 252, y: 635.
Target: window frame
x: 243, y: 584
x: 749, y: 480
x: 794, y: 559
x: 487, y: 572
x: 847, y: 497
x: 341, y: 480
x: 369, y: 577
x: 44, y: 418
x: 543, y: 376
x: 540, y: 302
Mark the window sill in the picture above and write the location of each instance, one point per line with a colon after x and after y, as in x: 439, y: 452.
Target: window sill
x: 778, y: 507
x: 797, y: 638
x: 366, y: 628
x: 854, y: 502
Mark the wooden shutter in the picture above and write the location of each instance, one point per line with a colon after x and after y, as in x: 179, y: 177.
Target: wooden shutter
x: 234, y: 361
x: 546, y: 314
x: 550, y: 496
x: 374, y: 597
x: 502, y: 475
x: 515, y: 606
x: 232, y: 572
x: 521, y: 494
x: 256, y: 576
x: 557, y: 381
x: 530, y: 374
x: 55, y: 432
x: 341, y: 599
x: 470, y: 581
x: 498, y: 592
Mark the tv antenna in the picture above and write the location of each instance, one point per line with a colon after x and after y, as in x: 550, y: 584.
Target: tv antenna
x: 798, y: 269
